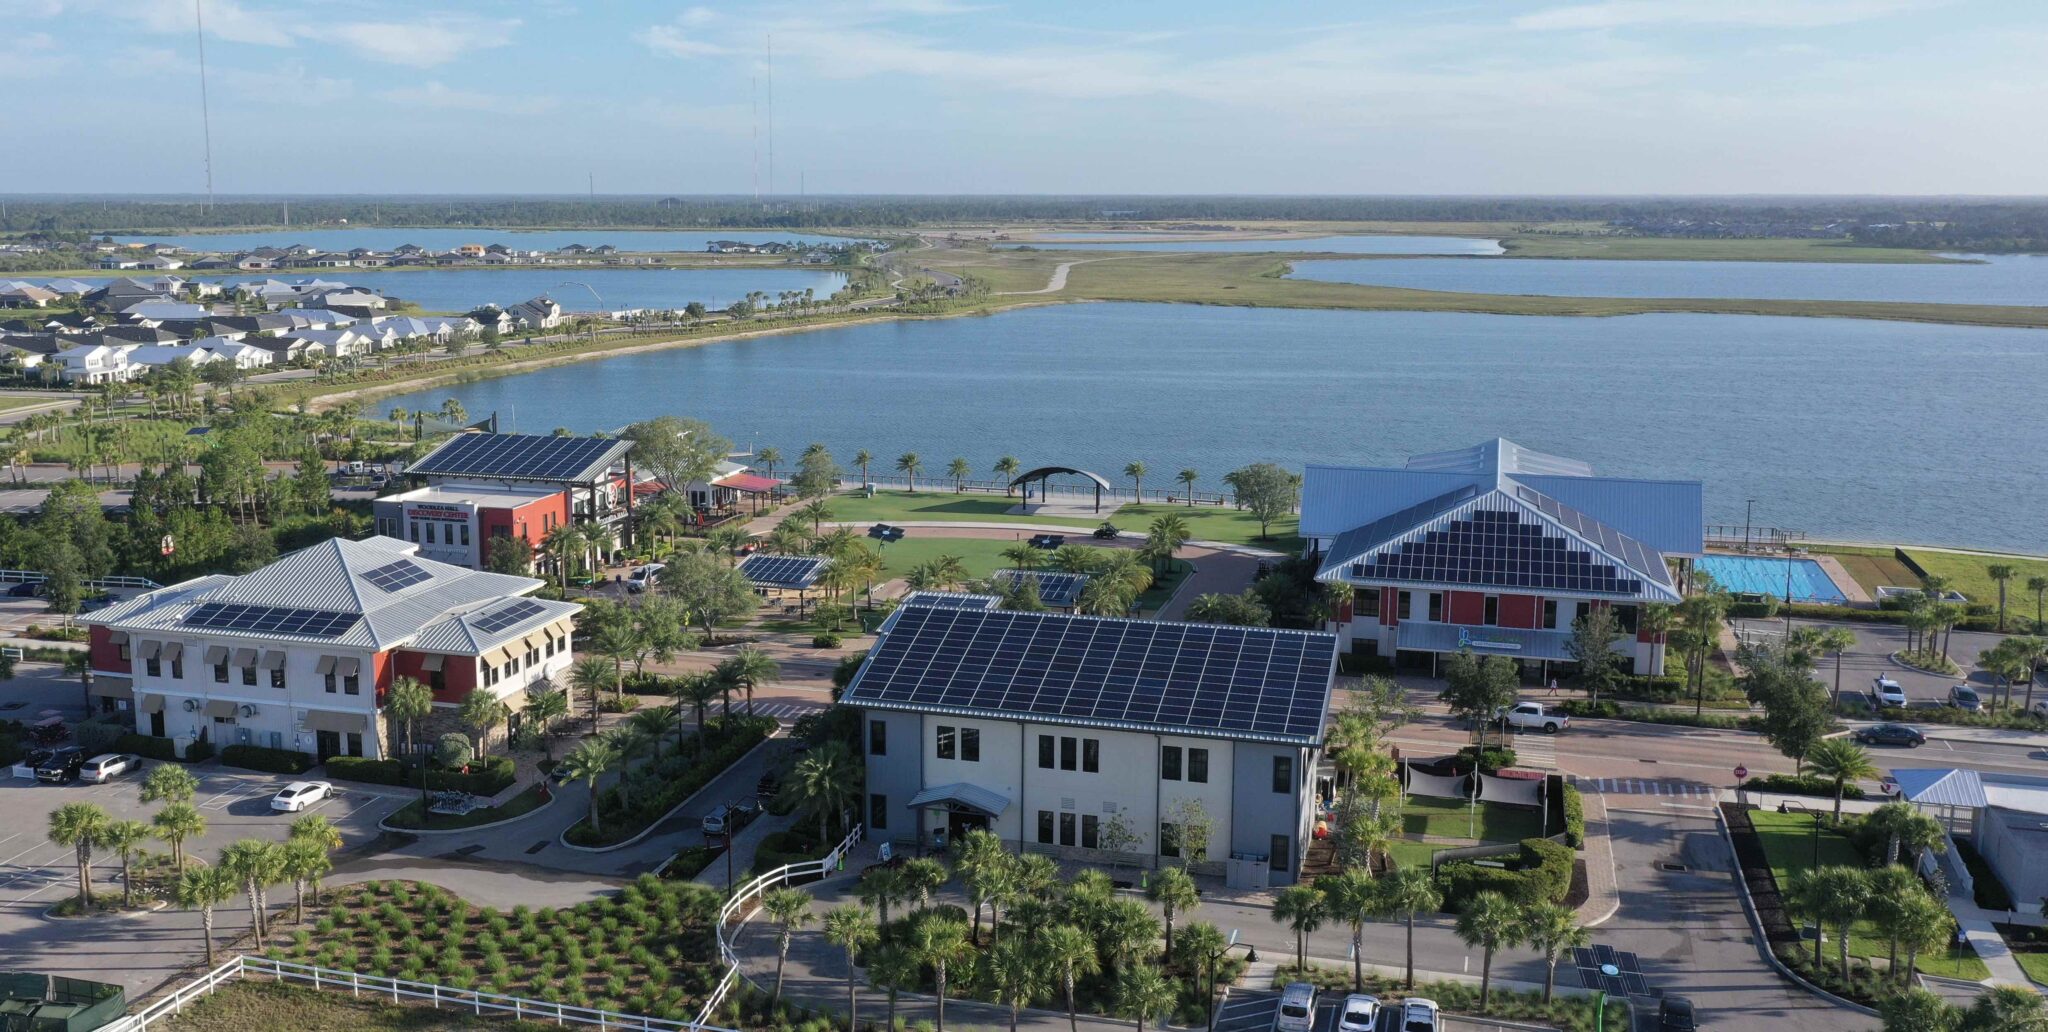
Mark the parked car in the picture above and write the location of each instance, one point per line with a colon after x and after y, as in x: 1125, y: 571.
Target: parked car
x: 26, y: 590
x: 769, y: 784
x: 1107, y: 532
x: 1674, y: 1014
x: 102, y: 768
x: 726, y: 820
x: 1419, y: 1015
x: 1297, y: 1011
x: 299, y: 795
x: 61, y: 766
x: 1531, y: 716
x: 1887, y: 691
x: 644, y: 577
x: 1891, y: 734
x: 1964, y: 697
x: 95, y: 602
x: 1360, y: 1013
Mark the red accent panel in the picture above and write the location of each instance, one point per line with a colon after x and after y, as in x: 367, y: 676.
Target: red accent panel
x: 1519, y: 610
x: 1390, y: 607
x: 1643, y: 634
x: 1465, y: 607
x: 1344, y: 612
x: 105, y: 654
x: 381, y: 674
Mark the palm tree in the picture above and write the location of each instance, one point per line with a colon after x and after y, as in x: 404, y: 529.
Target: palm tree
x: 790, y: 909
x: 303, y: 861
x: 1841, y: 761
x: 1187, y: 478
x: 1906, y: 831
x: 816, y: 512
x: 696, y: 689
x: 589, y: 762
x: 922, y: 876
x: 1164, y: 538
x: 1917, y: 1010
x: 1125, y: 930
x: 321, y: 832
x: 2001, y: 572
x: 593, y: 675
x: 257, y: 865
x: 1835, y: 895
x: 1894, y: 891
x: 863, y: 458
x: 174, y: 824
x: 563, y: 542
x: 910, y: 466
x: 651, y: 725
x: 2039, y: 586
x: 891, y: 968
x: 1013, y: 969
x: 1803, y: 899
x: 124, y: 838
x: 1136, y: 471
x: 768, y: 457
x: 546, y: 708
x: 1021, y: 556
x: 1071, y: 952
x: 1353, y: 897
x: 169, y: 782
x: 1007, y: 468
x: 628, y: 743
x: 202, y: 889
x: 1552, y: 929
x: 851, y: 928
x: 881, y: 887
x: 481, y: 712
x: 407, y: 701
x: 1175, y: 892
x: 1302, y: 909
x: 82, y: 826
x: 2007, y: 1008
x: 959, y: 470
x: 1410, y: 891
x: 938, y: 941
x: 749, y: 667
x: 1836, y: 640
x: 825, y: 781
x: 1142, y: 992
x: 1489, y: 921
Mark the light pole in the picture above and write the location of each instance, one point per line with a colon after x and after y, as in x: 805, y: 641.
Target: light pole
x: 1252, y: 954
x: 1748, y: 513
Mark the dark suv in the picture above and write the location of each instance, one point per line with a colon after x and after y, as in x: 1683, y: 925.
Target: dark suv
x: 1891, y: 734
x: 61, y: 766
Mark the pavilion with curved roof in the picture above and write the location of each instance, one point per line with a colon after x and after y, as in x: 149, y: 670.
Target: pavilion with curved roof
x: 1041, y: 474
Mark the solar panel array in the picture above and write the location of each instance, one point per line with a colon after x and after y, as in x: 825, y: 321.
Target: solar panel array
x: 312, y: 623
x: 1058, y: 590
x: 1497, y: 549
x: 397, y: 576
x: 1627, y: 980
x: 1048, y: 541
x: 516, y: 456
x: 885, y: 533
x: 1249, y: 681
x: 498, y: 619
x: 783, y: 571
x: 952, y: 600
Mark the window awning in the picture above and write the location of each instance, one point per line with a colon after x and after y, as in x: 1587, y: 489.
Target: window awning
x: 148, y: 649
x: 347, y: 666
x: 152, y: 704
x: 173, y: 650
x: 325, y: 666
x: 117, y: 638
x: 216, y: 655
x: 245, y: 657
x: 962, y: 794
x: 432, y: 664
x: 532, y: 643
x: 219, y: 708
x: 112, y: 688
x: 273, y: 661
x: 549, y: 630
x: 329, y: 720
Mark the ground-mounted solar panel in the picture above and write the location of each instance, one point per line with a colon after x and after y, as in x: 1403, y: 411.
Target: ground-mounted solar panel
x: 952, y: 600
x: 254, y: 619
x: 398, y: 576
x: 1059, y: 590
x: 1253, y: 682
x: 783, y: 571
x: 518, y: 457
x: 505, y: 616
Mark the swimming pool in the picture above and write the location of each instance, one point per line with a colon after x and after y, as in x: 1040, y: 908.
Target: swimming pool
x: 1756, y: 575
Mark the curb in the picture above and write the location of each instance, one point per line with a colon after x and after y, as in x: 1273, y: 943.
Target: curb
x: 1763, y: 941
x: 563, y: 838
x: 383, y: 823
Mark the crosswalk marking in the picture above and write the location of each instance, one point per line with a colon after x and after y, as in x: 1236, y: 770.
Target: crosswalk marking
x: 1536, y: 750
x: 1644, y: 786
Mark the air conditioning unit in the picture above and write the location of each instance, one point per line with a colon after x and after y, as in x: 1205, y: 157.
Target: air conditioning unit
x: 248, y: 711
x: 191, y: 705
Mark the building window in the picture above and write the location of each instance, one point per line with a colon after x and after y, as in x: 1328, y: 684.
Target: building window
x: 355, y: 744
x: 970, y: 744
x: 351, y: 684
x: 1283, y: 774
x: 220, y: 672
x: 178, y: 668
x: 1045, y: 827
x: 1169, y: 839
x: 948, y: 739
x: 1169, y: 763
x: 1579, y: 611
x: 465, y: 534
x: 1404, y: 606
x: 1198, y: 766
x: 1549, y: 612
x: 1045, y: 752
x: 878, y: 811
x: 277, y: 677
x: 1625, y: 619
x: 1066, y: 829
x: 1436, y: 607
x: 153, y: 666
x: 1365, y: 602
x: 1282, y: 853
x: 330, y: 682
x: 249, y: 676
x: 1091, y: 755
x: 1492, y: 617
x: 878, y: 738
x: 1068, y: 748
x: 1090, y: 837
x: 415, y: 530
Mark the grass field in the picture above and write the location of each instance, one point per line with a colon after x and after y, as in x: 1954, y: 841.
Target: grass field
x: 1788, y: 844
x: 524, y: 803
x: 1675, y: 249
x: 1967, y: 574
x: 1206, y: 522
x: 1453, y: 818
x: 9, y: 402
x: 268, y: 1006
x: 1873, y: 568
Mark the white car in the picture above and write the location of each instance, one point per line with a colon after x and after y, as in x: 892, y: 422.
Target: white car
x: 101, y: 769
x: 1360, y: 1013
x: 1887, y: 691
x: 1419, y: 1015
x: 644, y: 577
x: 300, y: 794
x: 1530, y: 716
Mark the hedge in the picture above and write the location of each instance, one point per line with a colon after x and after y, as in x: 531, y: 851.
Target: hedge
x: 147, y: 745
x: 1885, y: 613
x: 1541, y: 873
x: 264, y: 758
x: 793, y: 846
x: 1605, y: 710
x: 1574, y: 817
x: 1955, y: 716
x: 658, y: 788
x: 1803, y: 784
x: 487, y: 776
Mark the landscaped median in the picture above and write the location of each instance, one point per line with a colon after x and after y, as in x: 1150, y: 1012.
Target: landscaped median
x: 644, y: 795
x: 415, y: 816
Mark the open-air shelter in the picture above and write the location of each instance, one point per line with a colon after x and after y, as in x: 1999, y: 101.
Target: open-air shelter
x: 1042, y: 474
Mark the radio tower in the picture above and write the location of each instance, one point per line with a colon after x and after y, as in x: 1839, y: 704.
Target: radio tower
x: 771, y: 116
x: 205, y: 116
x: 754, y: 105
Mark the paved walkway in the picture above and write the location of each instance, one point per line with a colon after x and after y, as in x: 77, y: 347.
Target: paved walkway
x: 1990, y: 946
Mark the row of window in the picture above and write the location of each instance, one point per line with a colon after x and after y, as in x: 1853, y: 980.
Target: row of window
x: 449, y: 531
x: 350, y: 684
x: 1197, y: 767
x: 1068, y: 752
x: 1367, y: 604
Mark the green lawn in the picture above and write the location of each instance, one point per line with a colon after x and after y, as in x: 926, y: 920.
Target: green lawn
x: 2030, y: 947
x: 1453, y: 818
x: 1873, y: 568
x: 1205, y: 522
x: 1966, y: 573
x: 262, y: 1007
x: 519, y: 805
x: 1788, y: 843
x: 984, y: 556
x: 9, y: 402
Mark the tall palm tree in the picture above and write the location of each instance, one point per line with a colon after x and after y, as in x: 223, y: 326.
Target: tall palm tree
x: 1836, y: 896
x: 1007, y: 467
x: 850, y: 927
x: 959, y: 470
x: 628, y: 743
x: 790, y: 909
x: 481, y: 712
x: 1353, y: 897
x: 202, y: 889
x: 1841, y: 761
x: 768, y: 457
x: 825, y: 781
x: 749, y: 667
x: 1302, y: 909
x: 910, y: 466
x: 563, y: 542
x: 125, y: 837
x: 1906, y: 831
x: 1410, y: 891
x: 591, y: 675
x: 938, y: 941
x: 2007, y: 1008
x: 321, y: 832
x: 1893, y: 892
x: 1013, y: 969
x: 816, y: 512
x: 83, y: 827
x: 1142, y: 992
x: 2039, y: 586
x: 892, y: 967
x: 863, y: 458
x: 1175, y: 892
x: 1489, y: 922
x: 2001, y: 572
x: 589, y: 762
x: 1551, y: 929
x: 302, y: 862
x: 175, y: 823
x: 1136, y: 471
x: 257, y: 865
x: 697, y: 689
x: 1187, y: 478
x: 882, y: 886
x: 1070, y: 952
x: 650, y: 724
x: 546, y: 708
x: 1021, y: 556
x: 408, y: 701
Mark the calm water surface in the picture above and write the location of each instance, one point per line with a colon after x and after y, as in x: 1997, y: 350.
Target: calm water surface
x: 1835, y: 426
x: 379, y: 238
x: 1330, y: 244
x: 460, y: 290
x: 1990, y: 280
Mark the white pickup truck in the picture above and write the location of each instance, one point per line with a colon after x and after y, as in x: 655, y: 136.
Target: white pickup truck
x: 1532, y: 717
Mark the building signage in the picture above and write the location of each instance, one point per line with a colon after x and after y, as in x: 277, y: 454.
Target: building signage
x: 1466, y: 640
x: 436, y: 512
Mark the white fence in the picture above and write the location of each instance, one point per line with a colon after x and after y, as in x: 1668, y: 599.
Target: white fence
x: 738, y: 904
x: 102, y: 584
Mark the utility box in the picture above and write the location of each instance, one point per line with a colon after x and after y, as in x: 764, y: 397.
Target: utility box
x: 1247, y: 871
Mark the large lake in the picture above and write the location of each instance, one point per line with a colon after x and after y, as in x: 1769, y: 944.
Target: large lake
x: 1836, y: 427
x: 378, y: 238
x: 1987, y: 280
x: 1448, y: 245
x: 460, y: 290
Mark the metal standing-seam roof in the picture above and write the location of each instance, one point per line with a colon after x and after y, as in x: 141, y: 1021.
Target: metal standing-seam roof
x: 543, y: 457
x: 1941, y: 787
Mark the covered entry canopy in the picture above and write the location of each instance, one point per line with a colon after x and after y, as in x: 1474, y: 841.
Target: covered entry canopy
x: 1039, y: 475
x: 964, y: 796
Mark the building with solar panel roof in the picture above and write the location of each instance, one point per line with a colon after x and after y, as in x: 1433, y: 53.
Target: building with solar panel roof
x: 299, y: 654
x: 1057, y: 732
x: 482, y: 486
x: 1499, y: 549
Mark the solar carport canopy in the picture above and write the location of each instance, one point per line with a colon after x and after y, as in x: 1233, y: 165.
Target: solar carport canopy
x: 538, y: 457
x: 1253, y: 683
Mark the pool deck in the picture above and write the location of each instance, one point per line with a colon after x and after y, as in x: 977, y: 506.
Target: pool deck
x: 1843, y: 582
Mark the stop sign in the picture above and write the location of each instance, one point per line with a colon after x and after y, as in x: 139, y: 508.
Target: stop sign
x: 1741, y: 772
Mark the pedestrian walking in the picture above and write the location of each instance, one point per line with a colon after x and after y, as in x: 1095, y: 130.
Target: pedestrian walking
x: 1553, y: 686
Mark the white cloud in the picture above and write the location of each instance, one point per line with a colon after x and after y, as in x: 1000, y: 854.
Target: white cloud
x: 1768, y: 14
x: 423, y: 44
x: 29, y: 54
x: 433, y: 94
x: 224, y: 19
x: 671, y: 40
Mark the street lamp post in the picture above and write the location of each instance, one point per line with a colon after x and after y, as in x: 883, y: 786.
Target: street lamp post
x: 1747, y: 514
x: 1253, y: 954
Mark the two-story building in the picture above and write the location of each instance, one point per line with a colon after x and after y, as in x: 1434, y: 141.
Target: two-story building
x: 1498, y: 549
x: 300, y: 654
x: 1102, y: 739
x: 481, y: 486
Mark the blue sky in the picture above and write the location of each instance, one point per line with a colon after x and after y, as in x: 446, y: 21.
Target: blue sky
x: 1049, y: 96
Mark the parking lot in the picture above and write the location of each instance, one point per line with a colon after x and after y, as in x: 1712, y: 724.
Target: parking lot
x: 1253, y: 1011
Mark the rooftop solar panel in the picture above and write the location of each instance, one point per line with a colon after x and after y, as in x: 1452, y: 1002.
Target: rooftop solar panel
x: 501, y: 618
x: 783, y: 571
x: 311, y: 623
x: 398, y: 575
x: 1496, y: 548
x: 1243, y: 682
x: 521, y: 457
x: 1059, y: 590
x: 952, y: 600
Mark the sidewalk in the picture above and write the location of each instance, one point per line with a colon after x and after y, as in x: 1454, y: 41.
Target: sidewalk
x: 1990, y: 947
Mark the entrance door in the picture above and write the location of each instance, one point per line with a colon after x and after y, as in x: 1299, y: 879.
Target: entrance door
x: 326, y: 744
x: 960, y: 822
x: 156, y: 724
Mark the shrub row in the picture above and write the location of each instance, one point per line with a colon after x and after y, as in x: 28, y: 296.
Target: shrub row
x: 155, y: 748
x: 1973, y: 620
x: 487, y: 776
x: 264, y: 758
x: 725, y: 740
x: 2008, y: 719
x: 1802, y: 784
x: 1574, y: 817
x: 1606, y: 710
x: 1542, y: 873
x: 793, y: 846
